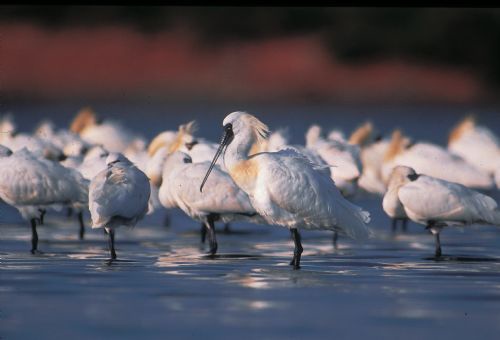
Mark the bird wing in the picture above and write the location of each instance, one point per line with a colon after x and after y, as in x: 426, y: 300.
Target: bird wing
x: 307, y: 197
x: 118, y: 191
x: 221, y: 195
x: 27, y: 180
x: 432, y: 199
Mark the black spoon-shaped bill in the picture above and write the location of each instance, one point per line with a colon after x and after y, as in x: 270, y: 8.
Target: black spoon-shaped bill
x: 225, y: 140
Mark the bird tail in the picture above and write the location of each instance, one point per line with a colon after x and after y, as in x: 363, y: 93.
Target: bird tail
x: 353, y: 220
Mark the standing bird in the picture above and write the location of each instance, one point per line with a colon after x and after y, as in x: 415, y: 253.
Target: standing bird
x: 284, y: 187
x: 436, y: 203
x: 226, y: 202
x: 118, y: 195
x: 33, y: 184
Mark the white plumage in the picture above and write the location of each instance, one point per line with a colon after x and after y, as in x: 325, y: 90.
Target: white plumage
x: 118, y: 195
x: 373, y: 149
x: 224, y: 200
x: 436, y: 203
x: 17, y: 141
x: 33, y: 184
x: 478, y: 145
x: 434, y: 160
x: 284, y: 187
x: 342, y: 156
x: 112, y: 135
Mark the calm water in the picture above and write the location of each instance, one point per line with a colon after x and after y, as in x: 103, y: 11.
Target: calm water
x: 164, y: 286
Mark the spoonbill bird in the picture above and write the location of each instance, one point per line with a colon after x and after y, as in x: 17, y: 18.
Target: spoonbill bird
x: 284, y: 187
x: 433, y: 160
x: 478, y: 145
x: 339, y: 153
x: 436, y: 203
x: 118, y: 195
x: 32, y: 184
x: 373, y: 148
x: 226, y: 202
x: 112, y: 135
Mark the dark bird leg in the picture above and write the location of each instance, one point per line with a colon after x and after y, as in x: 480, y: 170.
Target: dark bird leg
x: 166, y: 221
x: 405, y: 224
x: 203, y: 232
x: 111, y: 242
x: 209, y: 222
x: 69, y: 212
x: 82, y: 225
x: 297, y: 252
x: 335, y: 238
x: 42, y: 215
x: 394, y: 225
x: 438, y: 245
x: 34, y: 237
x: 227, y: 229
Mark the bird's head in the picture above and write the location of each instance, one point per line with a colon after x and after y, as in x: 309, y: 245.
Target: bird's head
x: 401, y: 175
x: 238, y: 123
x: 116, y: 157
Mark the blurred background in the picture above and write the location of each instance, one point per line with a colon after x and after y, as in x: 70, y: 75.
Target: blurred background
x: 254, y: 54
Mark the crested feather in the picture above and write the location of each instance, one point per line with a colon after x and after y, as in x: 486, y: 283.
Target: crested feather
x: 85, y: 117
x: 361, y: 134
x: 466, y: 124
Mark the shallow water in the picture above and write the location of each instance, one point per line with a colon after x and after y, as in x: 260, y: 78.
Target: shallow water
x: 164, y: 285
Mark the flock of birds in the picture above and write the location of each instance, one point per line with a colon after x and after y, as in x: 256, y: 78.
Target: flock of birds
x: 102, y: 167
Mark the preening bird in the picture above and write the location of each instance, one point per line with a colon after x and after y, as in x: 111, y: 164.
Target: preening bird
x: 33, y: 184
x: 436, y: 203
x: 225, y: 201
x: 118, y: 196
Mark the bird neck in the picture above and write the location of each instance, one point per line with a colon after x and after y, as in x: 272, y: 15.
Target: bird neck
x: 242, y: 170
x: 239, y: 149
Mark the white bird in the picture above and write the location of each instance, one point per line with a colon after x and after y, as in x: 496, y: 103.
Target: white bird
x: 118, y: 195
x: 373, y: 148
x: 283, y: 187
x: 112, y: 135
x: 15, y: 141
x: 476, y: 144
x: 433, y: 160
x: 70, y: 143
x: 199, y: 149
x: 225, y: 202
x: 342, y: 156
x: 93, y: 162
x: 436, y: 203
x: 33, y: 184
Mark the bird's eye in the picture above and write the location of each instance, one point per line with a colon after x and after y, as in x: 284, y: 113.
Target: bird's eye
x: 228, y: 127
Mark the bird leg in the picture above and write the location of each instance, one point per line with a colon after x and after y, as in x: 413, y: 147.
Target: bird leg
x: 438, y: 246
x: 69, y: 212
x: 227, y: 229
x: 82, y: 225
x: 394, y: 224
x: 203, y: 231
x: 34, y: 237
x: 405, y: 224
x: 209, y: 222
x: 166, y: 221
x: 111, y: 234
x: 297, y: 252
x: 42, y: 214
x: 335, y: 238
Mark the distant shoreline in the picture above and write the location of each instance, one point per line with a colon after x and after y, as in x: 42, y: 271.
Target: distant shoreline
x: 119, y: 62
